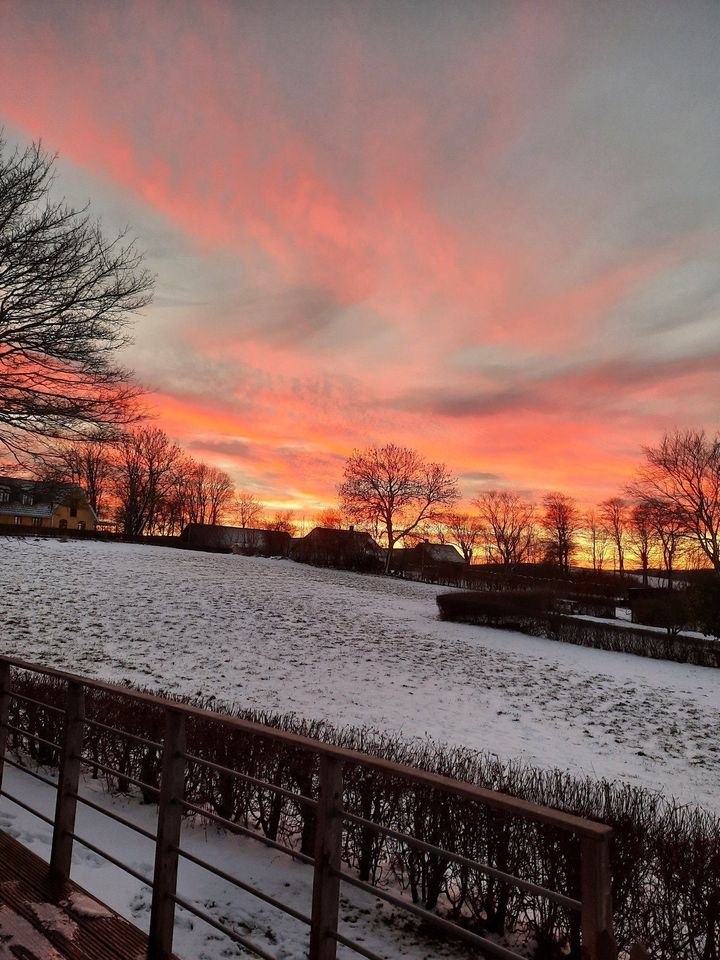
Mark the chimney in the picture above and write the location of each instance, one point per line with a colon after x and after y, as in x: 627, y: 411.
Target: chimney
x: 351, y: 528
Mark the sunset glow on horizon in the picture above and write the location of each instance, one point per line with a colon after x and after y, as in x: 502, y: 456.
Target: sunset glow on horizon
x: 488, y: 231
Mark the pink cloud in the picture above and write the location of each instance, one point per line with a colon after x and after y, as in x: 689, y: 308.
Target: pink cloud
x: 401, y: 203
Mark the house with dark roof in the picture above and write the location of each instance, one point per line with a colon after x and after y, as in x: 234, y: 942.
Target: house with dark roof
x: 429, y: 560
x: 346, y: 549
x: 46, y: 505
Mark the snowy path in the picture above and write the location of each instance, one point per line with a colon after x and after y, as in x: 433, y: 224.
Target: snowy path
x: 357, y: 650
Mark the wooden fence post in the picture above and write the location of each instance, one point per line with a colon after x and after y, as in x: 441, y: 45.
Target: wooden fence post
x: 328, y: 853
x: 598, y: 942
x: 68, y: 782
x: 5, y: 682
x: 170, y: 811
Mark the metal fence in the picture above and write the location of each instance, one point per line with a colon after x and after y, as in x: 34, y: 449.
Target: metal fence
x: 593, y: 905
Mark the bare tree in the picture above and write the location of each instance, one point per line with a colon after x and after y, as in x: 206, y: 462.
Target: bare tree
x: 671, y: 531
x: 509, y: 520
x: 220, y: 492
x: 282, y: 521
x: 247, y: 509
x: 614, y: 514
x: 683, y: 472
x: 174, y: 509
x: 210, y: 491
x: 194, y: 477
x: 330, y: 519
x: 85, y: 463
x: 146, y: 471
x: 66, y: 293
x: 641, y: 537
x: 561, y: 523
x: 597, y: 538
x: 463, y: 530
x: 396, y: 488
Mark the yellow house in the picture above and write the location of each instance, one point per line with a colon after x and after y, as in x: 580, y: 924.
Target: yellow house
x: 37, y: 503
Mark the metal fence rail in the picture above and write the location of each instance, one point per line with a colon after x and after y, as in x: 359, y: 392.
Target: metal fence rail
x: 593, y: 905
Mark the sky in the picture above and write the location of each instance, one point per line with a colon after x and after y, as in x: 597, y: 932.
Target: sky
x: 489, y: 231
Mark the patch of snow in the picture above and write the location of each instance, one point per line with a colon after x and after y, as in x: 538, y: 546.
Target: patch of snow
x: 82, y: 905
x: 357, y: 649
x: 628, y: 624
x: 19, y: 938
x: 55, y: 919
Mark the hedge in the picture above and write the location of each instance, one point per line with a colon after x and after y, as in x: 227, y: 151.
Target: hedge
x: 536, y: 614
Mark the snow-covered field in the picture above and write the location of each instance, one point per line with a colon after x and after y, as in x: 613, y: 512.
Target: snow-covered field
x: 359, y: 650
x: 338, y: 646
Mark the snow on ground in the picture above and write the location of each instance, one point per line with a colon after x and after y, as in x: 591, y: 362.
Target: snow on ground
x: 360, y: 650
x: 364, y: 918
x: 628, y: 624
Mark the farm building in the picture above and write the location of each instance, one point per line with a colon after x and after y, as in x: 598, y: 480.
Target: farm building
x: 348, y: 549
x: 251, y: 542
x: 44, y: 505
x: 428, y: 560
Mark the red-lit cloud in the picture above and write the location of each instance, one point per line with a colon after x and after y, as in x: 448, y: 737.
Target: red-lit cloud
x: 489, y: 234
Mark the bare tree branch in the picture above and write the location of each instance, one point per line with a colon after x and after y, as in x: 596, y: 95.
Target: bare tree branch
x: 66, y: 294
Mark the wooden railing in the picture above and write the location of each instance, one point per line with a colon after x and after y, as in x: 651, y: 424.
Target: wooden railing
x: 594, y: 904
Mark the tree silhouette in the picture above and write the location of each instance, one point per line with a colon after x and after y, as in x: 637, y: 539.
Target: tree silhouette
x: 510, y: 523
x: 682, y: 474
x: 66, y: 294
x: 397, y: 489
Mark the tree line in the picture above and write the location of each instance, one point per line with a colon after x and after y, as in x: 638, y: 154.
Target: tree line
x: 667, y: 516
x: 149, y: 485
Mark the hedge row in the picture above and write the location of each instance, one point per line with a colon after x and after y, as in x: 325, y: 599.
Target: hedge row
x: 536, y: 614
x: 665, y: 857
x: 482, y: 576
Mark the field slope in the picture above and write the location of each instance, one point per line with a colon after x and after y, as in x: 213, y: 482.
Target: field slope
x: 357, y: 650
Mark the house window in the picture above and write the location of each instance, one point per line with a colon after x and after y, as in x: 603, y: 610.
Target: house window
x: 37, y: 521
x: 73, y: 511
x: 4, y: 495
x: 18, y: 521
x: 81, y: 525
x: 27, y: 499
x: 63, y: 524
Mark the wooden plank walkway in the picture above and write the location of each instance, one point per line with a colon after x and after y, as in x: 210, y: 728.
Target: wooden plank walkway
x: 43, y: 921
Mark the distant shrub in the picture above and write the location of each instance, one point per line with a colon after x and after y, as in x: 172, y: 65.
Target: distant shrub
x: 511, y: 609
x: 669, y: 609
x: 704, y: 597
x: 642, y: 643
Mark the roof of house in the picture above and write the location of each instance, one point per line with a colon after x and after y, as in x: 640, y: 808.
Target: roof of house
x: 335, y: 538
x: 440, y: 552
x: 26, y: 509
x: 17, y: 484
x: 47, y: 495
x: 247, y: 536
